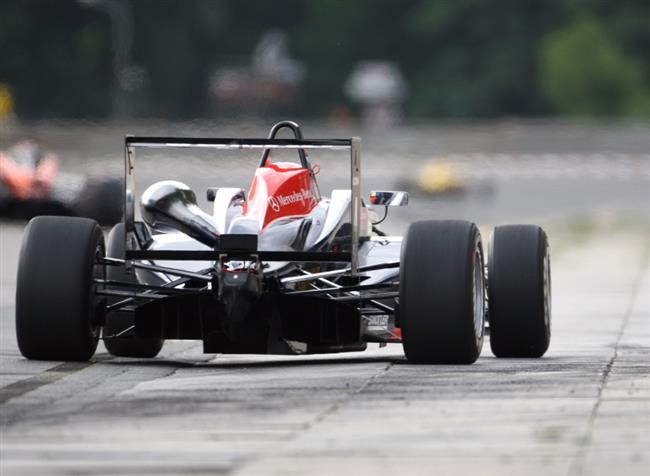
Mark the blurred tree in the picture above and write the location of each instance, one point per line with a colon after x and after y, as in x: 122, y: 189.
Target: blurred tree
x: 585, y: 73
x: 333, y: 36
x: 176, y: 43
x: 56, y: 58
x: 473, y: 58
x: 461, y: 58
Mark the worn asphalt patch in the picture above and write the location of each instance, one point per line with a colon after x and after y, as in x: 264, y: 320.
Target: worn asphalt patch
x: 21, y: 387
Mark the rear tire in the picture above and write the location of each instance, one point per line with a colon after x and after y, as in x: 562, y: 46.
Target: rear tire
x: 442, y: 293
x: 117, y: 322
x: 520, y: 292
x: 101, y: 200
x: 57, y: 312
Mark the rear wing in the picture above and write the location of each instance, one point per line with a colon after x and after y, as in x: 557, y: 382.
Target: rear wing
x: 131, y: 143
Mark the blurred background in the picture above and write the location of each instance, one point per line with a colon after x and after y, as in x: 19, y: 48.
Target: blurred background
x: 504, y: 111
x: 494, y: 111
x: 176, y: 59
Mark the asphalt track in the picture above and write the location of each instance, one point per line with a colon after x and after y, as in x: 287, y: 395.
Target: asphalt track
x: 582, y: 409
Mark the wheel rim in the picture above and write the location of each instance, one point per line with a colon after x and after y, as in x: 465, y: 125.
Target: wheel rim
x: 547, y: 290
x: 478, y: 291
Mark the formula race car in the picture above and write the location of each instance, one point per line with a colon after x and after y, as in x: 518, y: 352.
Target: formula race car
x: 278, y: 269
x: 31, y: 184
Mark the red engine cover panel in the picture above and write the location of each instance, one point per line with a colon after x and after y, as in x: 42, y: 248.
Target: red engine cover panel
x: 280, y: 190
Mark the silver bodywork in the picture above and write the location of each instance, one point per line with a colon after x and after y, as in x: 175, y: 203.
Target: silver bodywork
x: 326, y: 219
x: 227, y: 216
x: 330, y: 263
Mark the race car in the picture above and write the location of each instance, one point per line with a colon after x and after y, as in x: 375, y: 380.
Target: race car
x: 31, y: 184
x: 278, y: 269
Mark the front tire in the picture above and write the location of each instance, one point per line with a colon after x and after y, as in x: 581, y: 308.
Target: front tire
x: 57, y: 312
x: 442, y: 293
x: 519, y: 292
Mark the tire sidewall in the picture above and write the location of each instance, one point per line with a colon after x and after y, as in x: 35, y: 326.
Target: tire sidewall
x: 518, y: 308
x: 436, y: 292
x: 55, y: 300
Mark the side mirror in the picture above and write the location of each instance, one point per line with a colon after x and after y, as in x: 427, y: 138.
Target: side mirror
x: 389, y: 198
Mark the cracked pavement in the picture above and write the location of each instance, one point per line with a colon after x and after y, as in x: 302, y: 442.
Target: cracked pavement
x: 582, y: 409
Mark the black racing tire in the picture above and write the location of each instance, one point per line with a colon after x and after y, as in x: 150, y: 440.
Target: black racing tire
x: 57, y: 312
x: 519, y: 289
x: 101, y: 200
x: 442, y: 293
x: 117, y: 322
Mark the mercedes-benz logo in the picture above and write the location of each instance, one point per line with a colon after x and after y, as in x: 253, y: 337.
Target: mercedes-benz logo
x: 274, y: 203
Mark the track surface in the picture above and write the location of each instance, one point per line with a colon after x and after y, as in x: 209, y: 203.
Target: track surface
x: 582, y: 409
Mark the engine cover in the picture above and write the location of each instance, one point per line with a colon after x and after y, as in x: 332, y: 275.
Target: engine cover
x: 281, y: 190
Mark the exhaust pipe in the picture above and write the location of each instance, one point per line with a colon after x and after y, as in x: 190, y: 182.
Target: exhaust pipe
x: 171, y: 205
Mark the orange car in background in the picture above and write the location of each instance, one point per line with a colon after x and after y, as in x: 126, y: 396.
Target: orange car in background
x: 31, y: 183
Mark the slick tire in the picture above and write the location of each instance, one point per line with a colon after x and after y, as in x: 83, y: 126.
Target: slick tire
x: 442, y: 293
x: 102, y: 201
x: 519, y: 274
x: 57, y: 312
